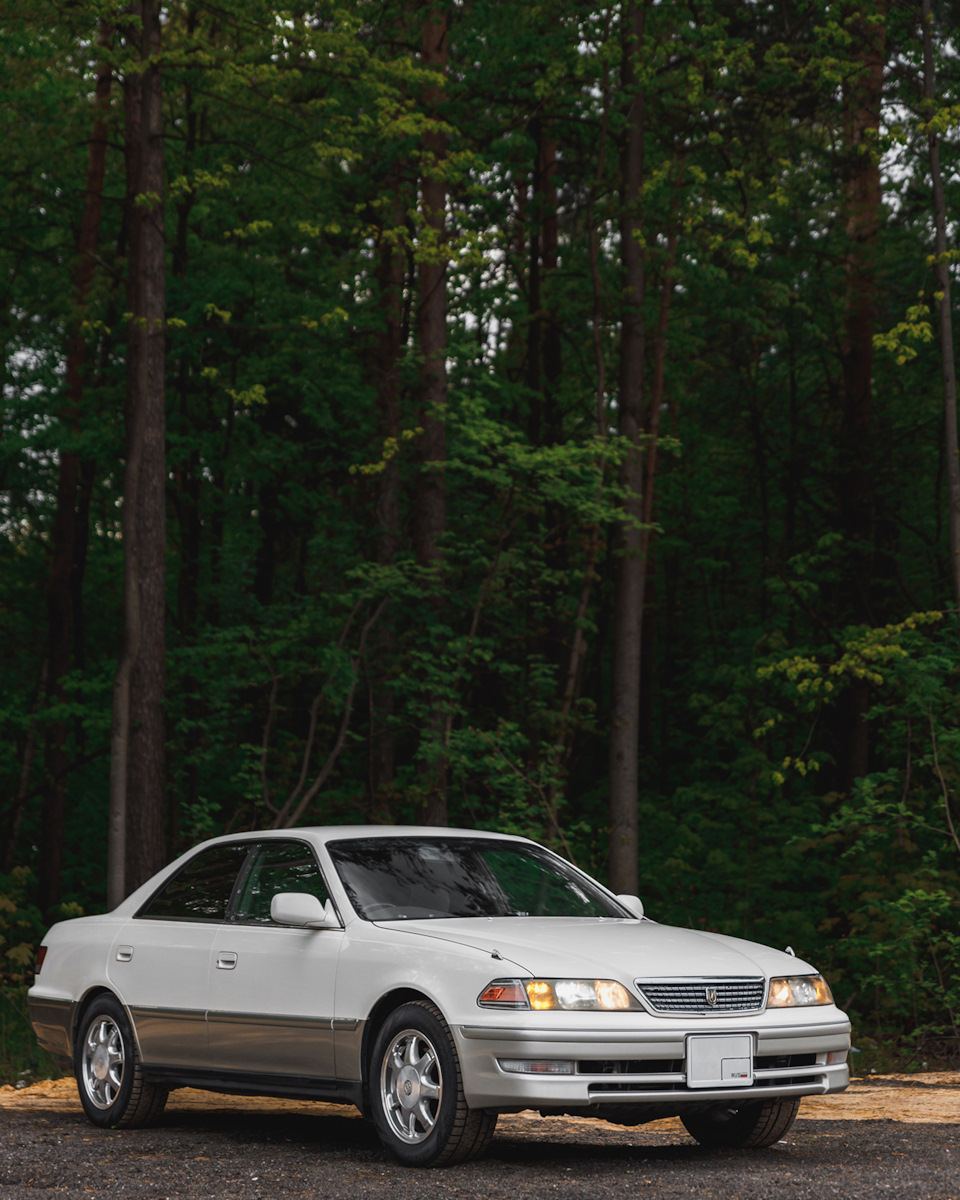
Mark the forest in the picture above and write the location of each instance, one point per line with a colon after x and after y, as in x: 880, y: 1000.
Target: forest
x: 535, y: 417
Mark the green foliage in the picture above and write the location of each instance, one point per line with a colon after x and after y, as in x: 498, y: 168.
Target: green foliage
x: 22, y: 1061
x: 21, y: 929
x: 908, y: 337
x: 896, y: 833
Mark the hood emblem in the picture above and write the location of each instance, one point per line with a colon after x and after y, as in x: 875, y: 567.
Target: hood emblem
x: 711, y: 995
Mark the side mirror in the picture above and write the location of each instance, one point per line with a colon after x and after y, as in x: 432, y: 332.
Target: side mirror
x: 633, y: 905
x: 302, y: 911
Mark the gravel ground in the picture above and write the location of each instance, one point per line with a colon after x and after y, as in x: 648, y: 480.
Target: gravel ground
x: 250, y: 1150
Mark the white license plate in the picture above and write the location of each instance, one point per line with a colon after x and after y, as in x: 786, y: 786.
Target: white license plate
x: 719, y: 1060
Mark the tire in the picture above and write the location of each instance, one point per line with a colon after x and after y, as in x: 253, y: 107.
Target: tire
x: 416, y: 1092
x: 736, y: 1127
x: 112, y: 1089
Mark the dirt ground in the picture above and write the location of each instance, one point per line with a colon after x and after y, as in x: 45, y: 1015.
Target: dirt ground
x: 932, y: 1097
x: 889, y: 1136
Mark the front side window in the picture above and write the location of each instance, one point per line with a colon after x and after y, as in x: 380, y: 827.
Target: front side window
x: 278, y: 867
x: 201, y: 889
x: 397, y: 879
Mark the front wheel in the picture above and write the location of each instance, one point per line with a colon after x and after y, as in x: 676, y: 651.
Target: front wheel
x: 416, y: 1092
x: 112, y: 1089
x: 741, y: 1126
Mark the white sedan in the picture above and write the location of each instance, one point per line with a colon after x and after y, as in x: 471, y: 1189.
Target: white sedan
x: 434, y: 978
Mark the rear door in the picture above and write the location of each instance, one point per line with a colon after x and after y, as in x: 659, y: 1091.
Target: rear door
x: 160, y: 962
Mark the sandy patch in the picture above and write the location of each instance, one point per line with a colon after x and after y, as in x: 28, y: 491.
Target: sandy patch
x: 932, y: 1097
x: 60, y: 1095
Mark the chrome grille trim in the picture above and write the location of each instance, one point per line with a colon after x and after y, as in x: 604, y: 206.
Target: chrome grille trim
x: 692, y: 995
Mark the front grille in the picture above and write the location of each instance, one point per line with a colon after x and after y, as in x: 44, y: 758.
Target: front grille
x: 703, y: 996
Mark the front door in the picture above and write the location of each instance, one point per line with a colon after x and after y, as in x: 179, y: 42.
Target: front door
x: 270, y: 1001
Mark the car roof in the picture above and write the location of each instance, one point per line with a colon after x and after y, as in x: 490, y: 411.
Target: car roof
x: 334, y: 833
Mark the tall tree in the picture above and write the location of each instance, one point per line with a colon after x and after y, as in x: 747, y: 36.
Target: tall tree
x: 628, y: 576
x: 68, y: 538
x: 387, y: 361
x: 862, y: 99
x: 137, y: 767
x: 544, y: 354
x: 431, y: 514
x: 947, y: 365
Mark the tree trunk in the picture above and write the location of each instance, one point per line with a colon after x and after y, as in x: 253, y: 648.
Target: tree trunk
x: 430, y: 516
x: 544, y: 353
x: 67, y: 539
x: 188, y: 490
x: 652, y: 458
x: 655, y: 408
x: 948, y: 369
x: 578, y: 643
x: 534, y: 317
x: 628, y: 577
x: 188, y: 472
x: 550, y: 341
x: 387, y: 353
x: 137, y: 767
x: 862, y: 101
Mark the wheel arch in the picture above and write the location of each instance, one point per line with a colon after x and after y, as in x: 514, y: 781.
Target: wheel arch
x: 84, y: 1002
x: 374, y: 1023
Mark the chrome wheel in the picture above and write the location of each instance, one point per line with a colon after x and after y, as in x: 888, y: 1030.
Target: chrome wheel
x: 102, y: 1061
x: 113, y: 1091
x: 411, y: 1086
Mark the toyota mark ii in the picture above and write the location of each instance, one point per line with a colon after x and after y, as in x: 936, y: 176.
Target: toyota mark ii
x: 434, y: 978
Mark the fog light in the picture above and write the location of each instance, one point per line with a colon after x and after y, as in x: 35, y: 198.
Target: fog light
x: 536, y: 1066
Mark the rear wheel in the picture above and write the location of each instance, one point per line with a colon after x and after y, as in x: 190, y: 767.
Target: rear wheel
x: 416, y: 1092
x: 740, y: 1126
x: 112, y: 1089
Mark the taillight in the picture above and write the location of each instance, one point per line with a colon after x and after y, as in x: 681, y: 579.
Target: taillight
x: 41, y: 955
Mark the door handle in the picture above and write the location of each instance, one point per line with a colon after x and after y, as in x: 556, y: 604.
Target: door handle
x: 124, y: 953
x: 226, y: 960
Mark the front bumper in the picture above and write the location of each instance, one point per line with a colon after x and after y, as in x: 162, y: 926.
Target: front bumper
x: 646, y: 1063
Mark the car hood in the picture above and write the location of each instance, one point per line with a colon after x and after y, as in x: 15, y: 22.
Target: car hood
x: 555, y: 947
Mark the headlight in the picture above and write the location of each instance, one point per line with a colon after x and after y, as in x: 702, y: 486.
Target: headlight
x: 798, y: 989
x: 584, y: 994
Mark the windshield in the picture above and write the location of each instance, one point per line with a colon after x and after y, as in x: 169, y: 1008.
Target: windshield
x: 403, y: 879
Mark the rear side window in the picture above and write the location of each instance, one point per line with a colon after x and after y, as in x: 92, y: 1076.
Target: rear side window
x: 201, y: 889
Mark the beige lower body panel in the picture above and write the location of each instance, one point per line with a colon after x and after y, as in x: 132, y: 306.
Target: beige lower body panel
x: 52, y: 1022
